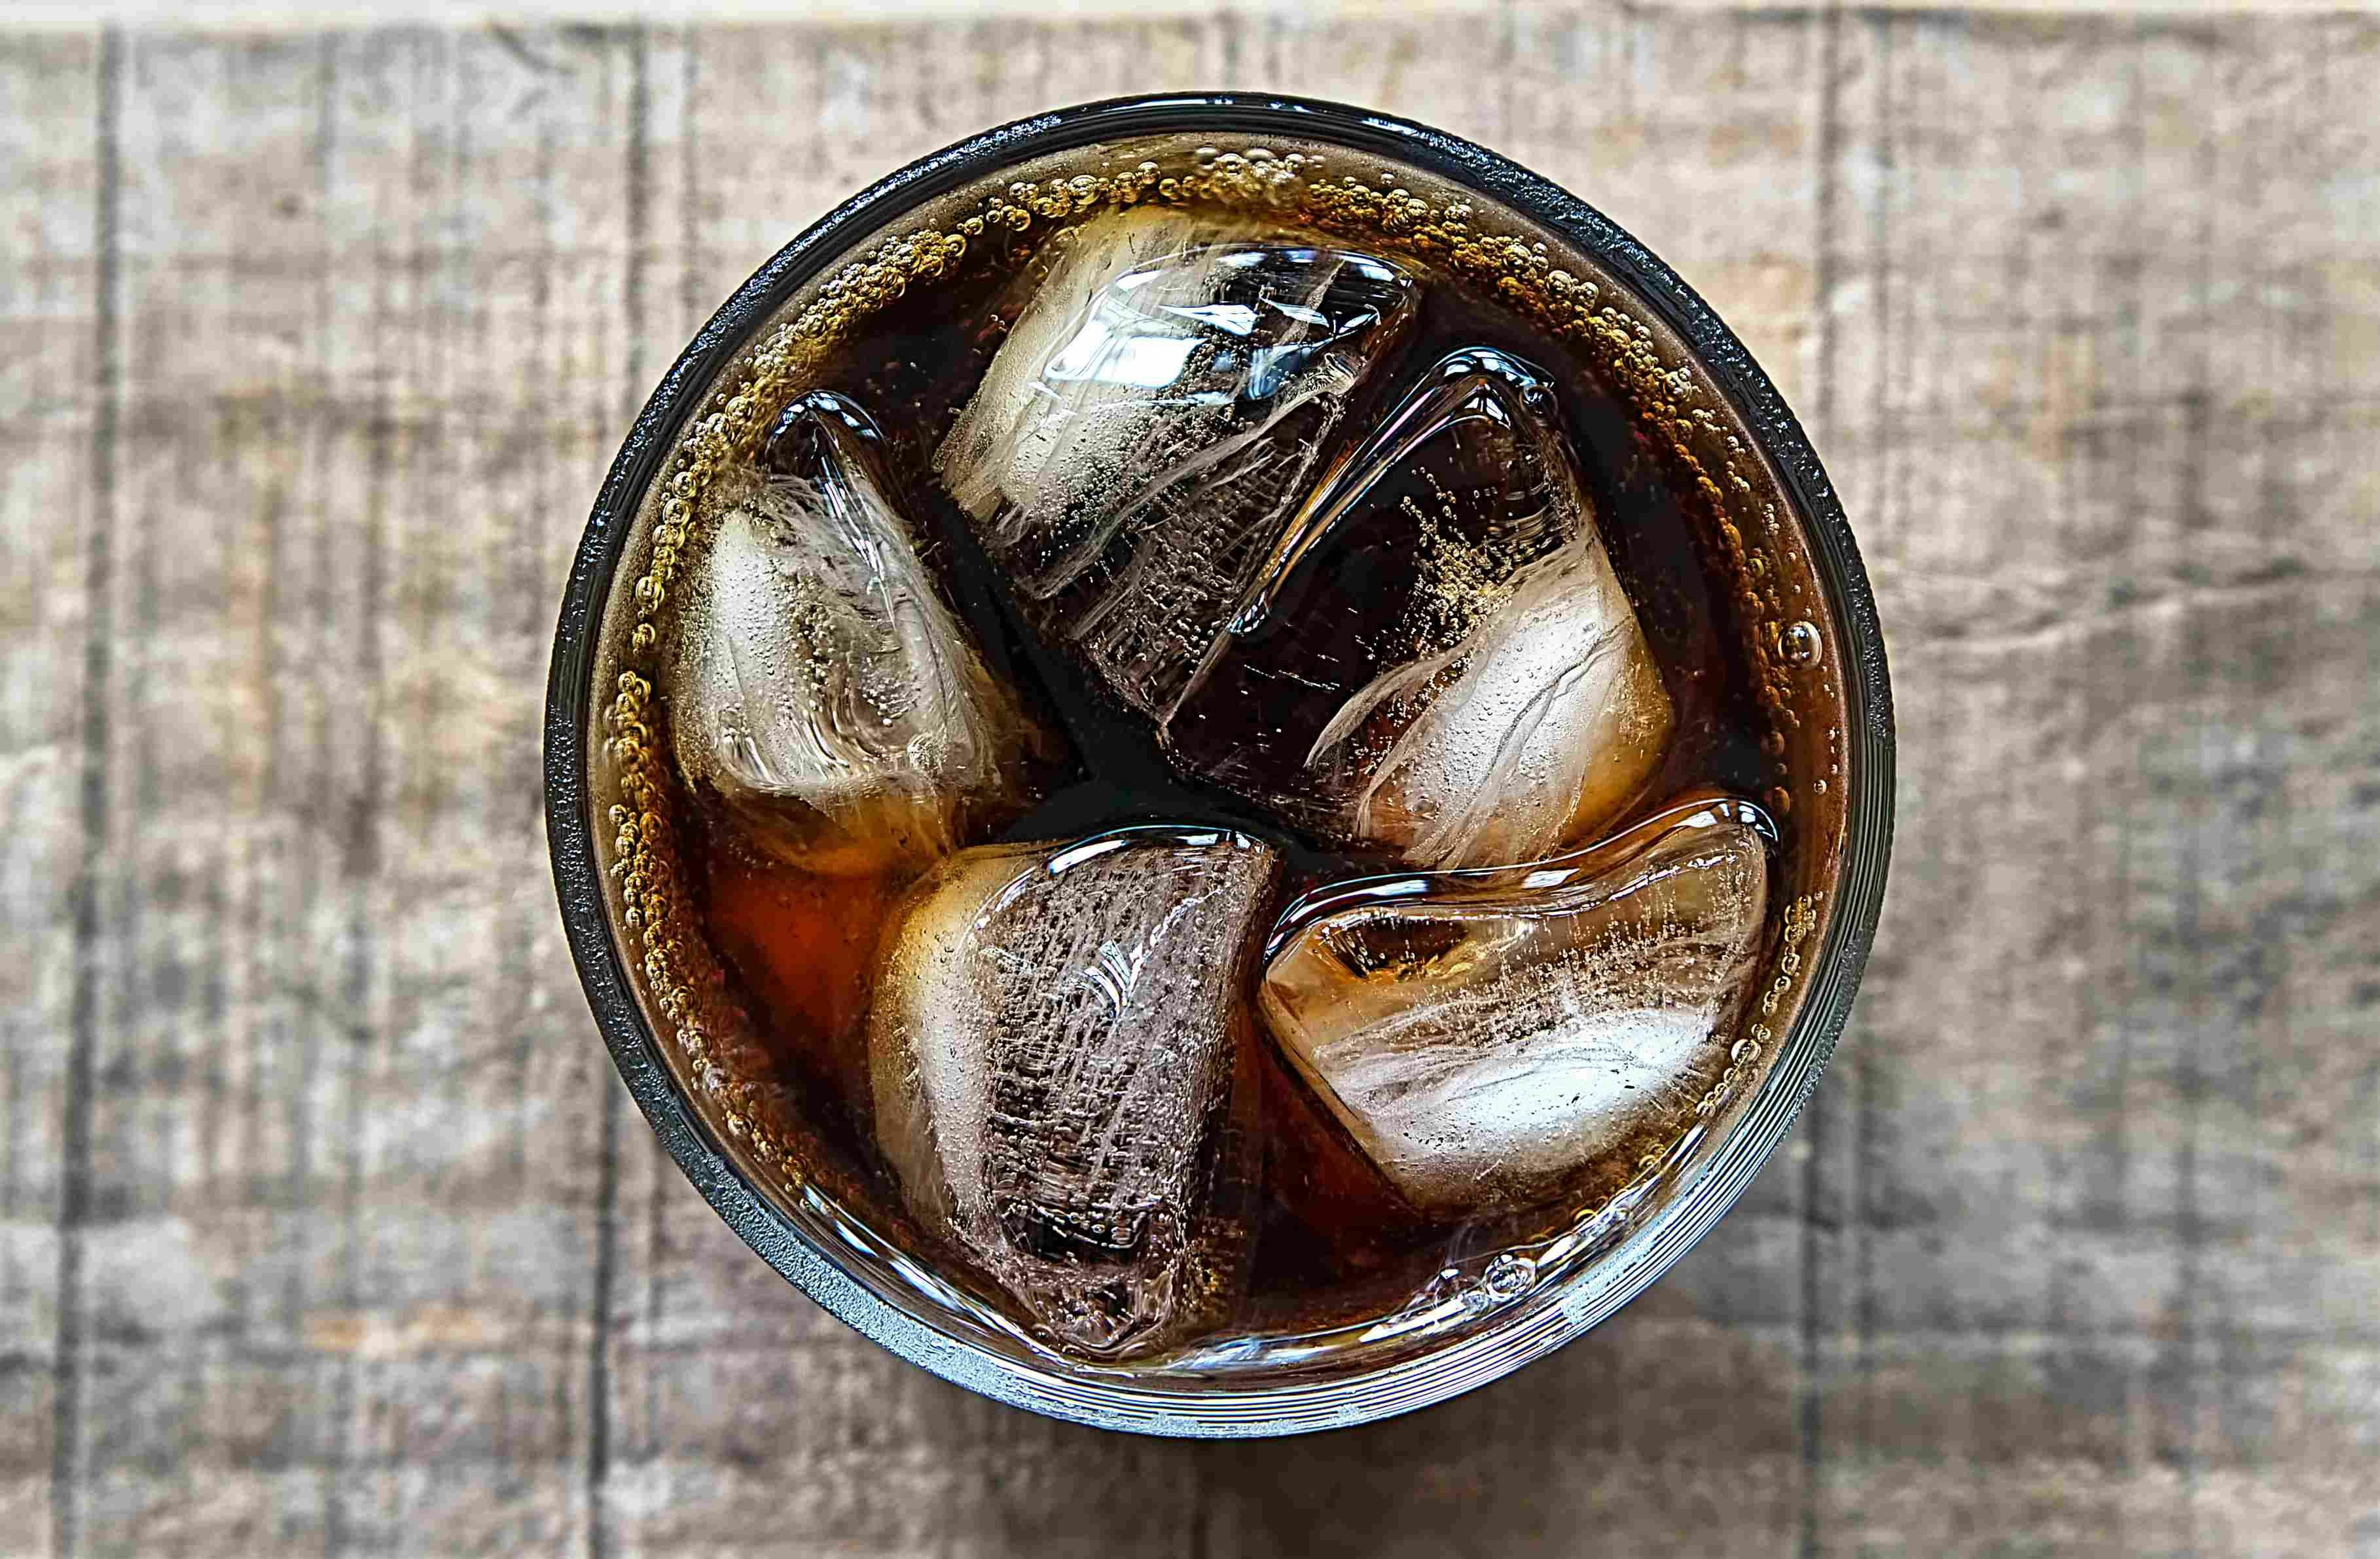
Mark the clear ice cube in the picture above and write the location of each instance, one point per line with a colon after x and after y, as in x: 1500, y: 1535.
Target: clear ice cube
x: 1054, y: 1054
x: 1435, y: 655
x: 1485, y: 1035
x: 818, y: 683
x: 1156, y: 411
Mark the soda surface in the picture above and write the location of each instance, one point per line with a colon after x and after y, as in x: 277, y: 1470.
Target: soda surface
x: 1225, y: 780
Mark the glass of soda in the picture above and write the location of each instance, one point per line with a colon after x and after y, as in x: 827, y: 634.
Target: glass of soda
x: 1219, y: 765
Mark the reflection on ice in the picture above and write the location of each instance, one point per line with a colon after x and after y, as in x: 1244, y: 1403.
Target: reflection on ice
x: 818, y: 683
x: 1054, y: 1053
x: 1159, y: 406
x: 1484, y: 1034
x: 1435, y: 654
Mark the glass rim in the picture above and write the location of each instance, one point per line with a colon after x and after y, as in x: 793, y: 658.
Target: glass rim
x: 1225, y: 1411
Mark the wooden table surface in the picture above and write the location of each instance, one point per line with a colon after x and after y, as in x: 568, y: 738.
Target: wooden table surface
x: 326, y: 1225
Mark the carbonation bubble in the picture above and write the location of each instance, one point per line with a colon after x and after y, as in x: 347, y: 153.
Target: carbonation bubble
x: 1509, y: 1275
x: 1802, y: 643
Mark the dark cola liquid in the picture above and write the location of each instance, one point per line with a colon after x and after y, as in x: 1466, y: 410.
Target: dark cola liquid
x: 1333, y: 1237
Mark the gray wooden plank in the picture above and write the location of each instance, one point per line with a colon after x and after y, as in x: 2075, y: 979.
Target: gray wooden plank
x: 2099, y: 348
x: 211, y: 1231
x: 341, y: 1185
x: 49, y: 337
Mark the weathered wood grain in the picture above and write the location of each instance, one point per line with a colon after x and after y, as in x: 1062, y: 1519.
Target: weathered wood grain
x: 48, y: 284
x: 325, y: 1227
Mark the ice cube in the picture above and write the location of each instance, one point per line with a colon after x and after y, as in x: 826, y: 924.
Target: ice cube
x: 1486, y: 1035
x: 1154, y: 415
x: 1052, y: 1054
x: 1435, y: 655
x: 817, y: 682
